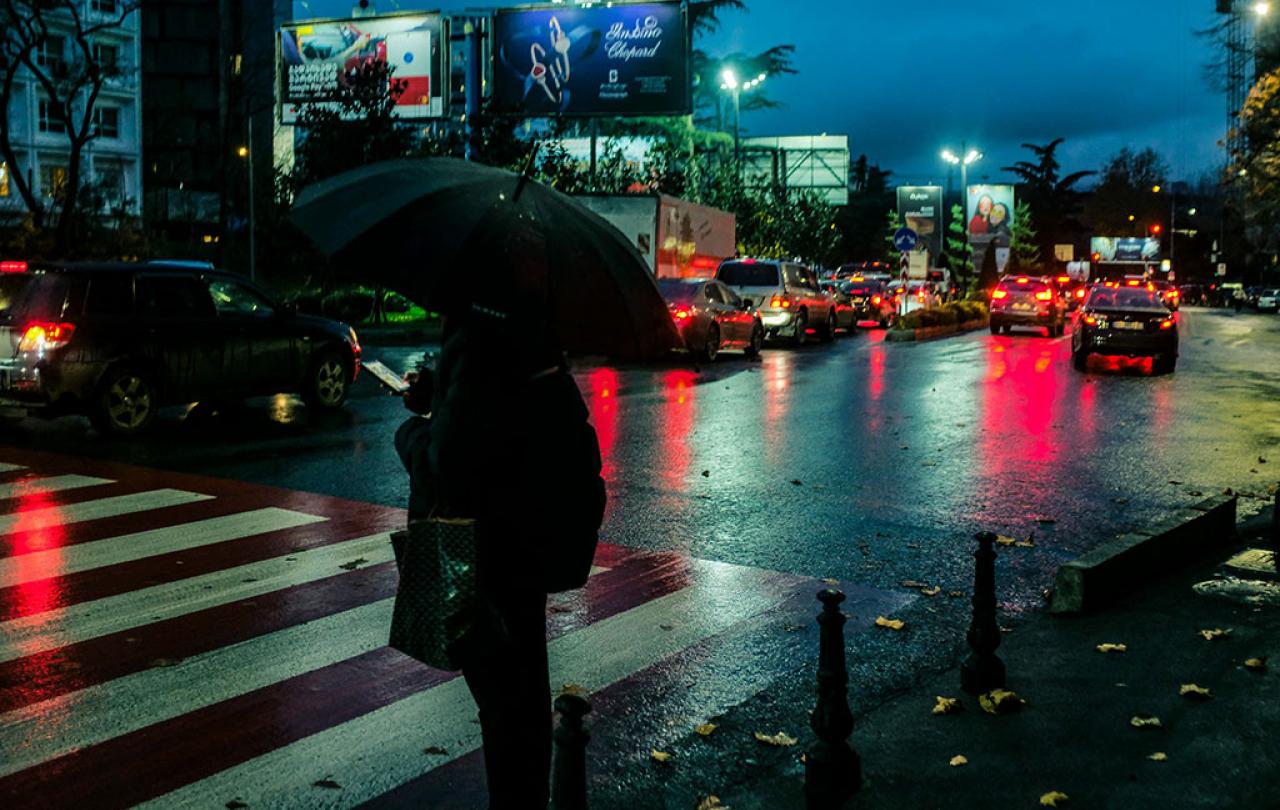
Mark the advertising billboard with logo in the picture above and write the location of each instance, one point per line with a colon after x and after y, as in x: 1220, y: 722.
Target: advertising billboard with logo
x: 920, y: 209
x: 615, y: 59
x: 316, y: 55
x: 1138, y: 249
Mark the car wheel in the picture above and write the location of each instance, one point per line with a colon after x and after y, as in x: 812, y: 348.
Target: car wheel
x: 1080, y: 360
x: 828, y: 333
x: 328, y: 382
x: 757, y: 342
x: 995, y: 328
x: 711, y: 347
x: 126, y: 403
x: 802, y: 329
x: 1165, y: 364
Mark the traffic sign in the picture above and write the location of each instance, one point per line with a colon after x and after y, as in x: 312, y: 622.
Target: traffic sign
x: 905, y: 240
x: 1222, y: 268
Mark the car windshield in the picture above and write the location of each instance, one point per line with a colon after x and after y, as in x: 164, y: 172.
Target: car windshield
x: 1122, y: 298
x: 748, y: 274
x: 679, y: 292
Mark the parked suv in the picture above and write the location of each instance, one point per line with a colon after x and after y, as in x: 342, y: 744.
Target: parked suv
x: 787, y: 295
x: 118, y: 341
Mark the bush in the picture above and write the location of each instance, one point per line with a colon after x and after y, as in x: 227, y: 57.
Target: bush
x: 951, y: 314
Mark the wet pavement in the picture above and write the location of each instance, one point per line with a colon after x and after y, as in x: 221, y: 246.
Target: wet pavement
x: 863, y: 462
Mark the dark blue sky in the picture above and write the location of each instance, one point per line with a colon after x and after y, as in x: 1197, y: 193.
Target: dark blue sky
x: 905, y: 79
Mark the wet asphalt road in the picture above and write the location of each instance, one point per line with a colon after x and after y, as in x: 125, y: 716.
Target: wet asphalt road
x: 866, y: 462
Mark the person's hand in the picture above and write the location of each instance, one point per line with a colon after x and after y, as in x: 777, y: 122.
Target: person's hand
x: 417, y: 398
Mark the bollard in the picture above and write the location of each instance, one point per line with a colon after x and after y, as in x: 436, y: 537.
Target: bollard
x: 569, y: 766
x: 983, y: 670
x: 832, y: 769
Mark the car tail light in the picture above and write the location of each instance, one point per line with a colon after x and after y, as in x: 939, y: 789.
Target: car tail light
x: 780, y: 302
x: 681, y: 313
x: 1064, y: 279
x: 875, y: 299
x: 1167, y: 323
x: 43, y: 336
x: 1023, y: 280
x: 1094, y: 320
x: 1080, y: 293
x: 999, y: 294
x: 13, y: 267
x: 1044, y: 295
x: 1133, y: 282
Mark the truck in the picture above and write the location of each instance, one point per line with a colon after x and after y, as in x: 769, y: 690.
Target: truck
x: 677, y: 238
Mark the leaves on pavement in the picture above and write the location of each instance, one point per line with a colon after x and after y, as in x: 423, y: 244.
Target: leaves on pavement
x: 573, y: 689
x: 706, y: 729
x: 1215, y: 634
x: 1109, y: 647
x: 1144, y: 721
x: 435, y: 751
x: 1030, y: 542
x: 1158, y: 756
x: 659, y: 756
x: 956, y: 594
x: 958, y: 760
x: 1005, y: 541
x: 354, y: 564
x: 831, y: 582
x: 1054, y: 798
x: 1256, y: 664
x: 890, y: 624
x: 712, y: 803
x: 934, y: 591
x: 946, y: 705
x: 781, y: 739
x: 1000, y: 701
x: 327, y: 784
x: 1193, y: 691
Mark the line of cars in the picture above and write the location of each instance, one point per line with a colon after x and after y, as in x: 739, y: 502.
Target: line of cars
x: 749, y: 301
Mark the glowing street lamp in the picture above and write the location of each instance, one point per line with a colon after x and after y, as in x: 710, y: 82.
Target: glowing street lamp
x: 731, y: 83
x: 1262, y: 9
x: 970, y: 156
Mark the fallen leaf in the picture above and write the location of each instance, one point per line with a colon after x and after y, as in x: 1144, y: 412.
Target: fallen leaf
x: 1054, y: 798
x: 911, y: 583
x: 706, y: 473
x: 1144, y: 721
x: 327, y: 784
x: 711, y: 803
x: 435, y: 751
x: 573, y: 689
x: 1193, y: 691
x: 1158, y: 756
x: 934, y: 591
x: 1195, y: 493
x: 1176, y: 483
x: 1109, y: 647
x: 353, y: 565
x: 1256, y: 664
x: 1000, y: 701
x: 956, y: 594
x: 1030, y: 542
x: 946, y: 705
x: 667, y: 627
x: 1215, y: 634
x: 1228, y: 491
x: 1261, y: 460
x: 659, y: 756
x: 781, y: 739
x: 831, y: 581
x: 706, y: 729
x: 1005, y: 541
x: 164, y: 662
x: 958, y: 760
x: 891, y: 624
x: 906, y: 447
x: 1046, y: 520
x: 1121, y: 501
x: 797, y: 482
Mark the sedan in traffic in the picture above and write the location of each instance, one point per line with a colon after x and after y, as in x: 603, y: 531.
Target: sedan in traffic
x: 711, y: 318
x: 1126, y: 322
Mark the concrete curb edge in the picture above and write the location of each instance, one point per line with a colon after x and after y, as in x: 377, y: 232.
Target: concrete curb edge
x: 934, y: 332
x: 1117, y: 567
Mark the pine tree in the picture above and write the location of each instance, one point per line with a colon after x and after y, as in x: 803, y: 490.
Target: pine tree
x: 891, y: 253
x: 1024, y: 251
x: 958, y: 251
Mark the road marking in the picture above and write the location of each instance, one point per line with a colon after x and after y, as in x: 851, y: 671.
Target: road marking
x: 381, y: 750
x: 37, y: 565
x: 46, y: 631
x: 50, y: 484
x: 48, y: 517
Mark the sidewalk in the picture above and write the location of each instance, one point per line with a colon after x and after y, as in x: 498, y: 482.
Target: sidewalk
x: 1074, y: 735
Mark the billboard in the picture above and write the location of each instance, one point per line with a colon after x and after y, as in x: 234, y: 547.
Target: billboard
x: 920, y: 209
x: 990, y: 215
x: 315, y: 56
x: 613, y: 59
x: 817, y: 163
x: 1138, y: 249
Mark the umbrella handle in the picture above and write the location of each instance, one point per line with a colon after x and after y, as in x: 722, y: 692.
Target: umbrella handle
x: 524, y: 175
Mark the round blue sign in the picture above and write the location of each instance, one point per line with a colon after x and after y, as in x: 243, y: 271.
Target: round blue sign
x: 905, y: 240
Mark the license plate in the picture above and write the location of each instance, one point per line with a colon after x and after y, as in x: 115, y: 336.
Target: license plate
x: 859, y: 301
x: 1132, y: 326
x: 1023, y: 307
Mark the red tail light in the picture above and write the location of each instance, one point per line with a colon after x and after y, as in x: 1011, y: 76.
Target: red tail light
x: 1080, y: 293
x: 1133, y: 282
x: 780, y: 301
x: 1167, y: 323
x: 1044, y: 295
x: 999, y: 294
x: 1064, y: 279
x: 43, y: 336
x: 1092, y: 321
x: 875, y: 299
x: 681, y: 313
x: 13, y: 267
x: 1023, y: 280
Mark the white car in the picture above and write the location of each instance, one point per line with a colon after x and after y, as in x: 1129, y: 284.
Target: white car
x: 1269, y: 301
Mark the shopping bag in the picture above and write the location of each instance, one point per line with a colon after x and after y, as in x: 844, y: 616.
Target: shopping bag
x: 439, y: 612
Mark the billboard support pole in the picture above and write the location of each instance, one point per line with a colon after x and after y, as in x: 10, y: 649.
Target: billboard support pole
x: 595, y: 140
x: 964, y: 189
x: 253, y: 243
x: 473, y: 87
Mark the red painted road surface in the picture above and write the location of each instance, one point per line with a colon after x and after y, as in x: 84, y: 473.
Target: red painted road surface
x: 186, y: 641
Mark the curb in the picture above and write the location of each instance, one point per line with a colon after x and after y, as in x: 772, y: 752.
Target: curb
x: 1124, y: 564
x: 934, y: 332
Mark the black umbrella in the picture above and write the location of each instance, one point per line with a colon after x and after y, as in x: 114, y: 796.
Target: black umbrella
x: 438, y: 228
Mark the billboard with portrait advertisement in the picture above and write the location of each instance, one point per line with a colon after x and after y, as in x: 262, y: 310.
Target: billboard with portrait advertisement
x: 990, y: 211
x: 615, y: 59
x: 920, y: 209
x: 315, y: 56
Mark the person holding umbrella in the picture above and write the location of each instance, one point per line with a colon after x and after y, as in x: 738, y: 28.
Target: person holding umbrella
x: 507, y: 443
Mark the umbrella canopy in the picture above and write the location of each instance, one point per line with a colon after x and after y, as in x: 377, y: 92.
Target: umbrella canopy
x: 440, y: 230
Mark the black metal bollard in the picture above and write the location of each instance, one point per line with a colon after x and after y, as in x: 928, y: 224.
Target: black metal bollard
x: 569, y: 763
x: 983, y: 670
x: 832, y: 769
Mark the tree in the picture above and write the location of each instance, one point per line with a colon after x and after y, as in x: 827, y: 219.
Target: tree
x: 1123, y: 203
x: 959, y: 252
x: 861, y: 221
x: 1053, y: 199
x: 55, y: 44
x: 1024, y: 252
x: 892, y: 222
x: 1256, y: 168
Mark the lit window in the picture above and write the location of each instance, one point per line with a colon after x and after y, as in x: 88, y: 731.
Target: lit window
x: 51, y: 117
x: 106, y: 122
x: 53, y: 180
x: 4, y: 179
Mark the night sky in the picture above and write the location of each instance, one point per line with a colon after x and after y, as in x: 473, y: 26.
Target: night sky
x: 905, y: 79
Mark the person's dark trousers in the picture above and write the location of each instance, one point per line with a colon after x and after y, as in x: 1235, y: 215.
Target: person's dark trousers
x: 511, y: 687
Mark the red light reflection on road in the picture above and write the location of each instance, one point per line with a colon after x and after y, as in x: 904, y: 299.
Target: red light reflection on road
x: 603, y: 403
x: 679, y: 412
x: 40, y: 591
x: 777, y: 402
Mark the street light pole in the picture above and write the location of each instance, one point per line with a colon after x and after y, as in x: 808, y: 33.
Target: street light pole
x: 737, y: 124
x: 253, y: 243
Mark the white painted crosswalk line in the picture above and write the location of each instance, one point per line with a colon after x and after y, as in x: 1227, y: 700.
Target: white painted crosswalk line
x: 381, y: 750
x: 50, y: 516
x: 54, y: 562
x: 49, y: 484
x: 41, y: 632
x: 6, y: 467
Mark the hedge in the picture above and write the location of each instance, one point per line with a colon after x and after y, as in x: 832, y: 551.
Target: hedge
x: 946, y: 315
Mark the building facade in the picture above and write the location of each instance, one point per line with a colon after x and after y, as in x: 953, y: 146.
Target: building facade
x: 112, y: 159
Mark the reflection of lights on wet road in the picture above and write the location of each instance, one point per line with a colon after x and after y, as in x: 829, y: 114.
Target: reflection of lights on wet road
x: 679, y: 413
x: 603, y: 403
x: 778, y: 368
